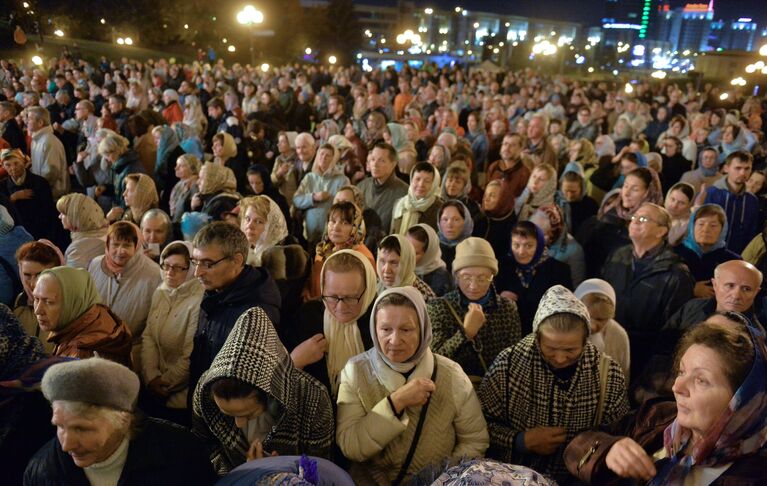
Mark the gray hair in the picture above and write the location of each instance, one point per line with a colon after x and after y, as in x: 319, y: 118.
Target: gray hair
x: 113, y: 144
x: 40, y: 114
x: 118, y: 419
x: 229, y: 237
x: 156, y: 213
x: 306, y: 136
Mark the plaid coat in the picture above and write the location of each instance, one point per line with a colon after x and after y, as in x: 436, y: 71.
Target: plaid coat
x: 520, y: 392
x: 254, y: 354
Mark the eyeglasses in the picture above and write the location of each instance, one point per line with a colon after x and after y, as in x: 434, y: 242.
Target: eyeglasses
x: 173, y: 268
x: 334, y: 300
x: 645, y: 219
x: 475, y: 279
x: 207, y: 264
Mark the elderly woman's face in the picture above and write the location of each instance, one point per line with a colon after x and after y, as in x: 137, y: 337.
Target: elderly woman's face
x: 388, y: 267
x: 474, y: 282
x: 454, y: 186
x: 707, y: 230
x: 154, y: 230
x: 129, y: 194
x: 560, y: 349
x: 398, y: 332
x: 121, y: 251
x: 701, y: 389
x: 47, y: 303
x: 87, y: 439
x: 435, y: 157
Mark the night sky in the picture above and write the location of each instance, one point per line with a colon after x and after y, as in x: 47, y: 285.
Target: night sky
x: 589, y: 12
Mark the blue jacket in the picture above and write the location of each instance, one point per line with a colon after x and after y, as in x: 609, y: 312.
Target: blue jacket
x: 9, y: 243
x: 742, y: 212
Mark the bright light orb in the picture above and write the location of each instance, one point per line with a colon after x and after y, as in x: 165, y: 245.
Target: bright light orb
x: 332, y: 59
x: 37, y: 60
x: 265, y: 67
x: 128, y: 41
x: 58, y: 33
x: 231, y: 48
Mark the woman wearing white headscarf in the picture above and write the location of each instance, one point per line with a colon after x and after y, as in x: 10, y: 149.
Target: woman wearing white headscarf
x: 396, y: 266
x: 263, y: 223
x: 387, y: 391
x: 169, y: 335
x: 422, y: 202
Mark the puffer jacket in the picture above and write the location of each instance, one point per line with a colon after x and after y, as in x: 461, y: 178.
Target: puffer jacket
x: 169, y: 336
x: 219, y: 310
x: 299, y: 403
x: 647, y: 297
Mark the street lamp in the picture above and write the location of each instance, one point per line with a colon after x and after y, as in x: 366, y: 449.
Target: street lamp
x: 250, y: 16
x: 58, y: 33
x: 332, y: 59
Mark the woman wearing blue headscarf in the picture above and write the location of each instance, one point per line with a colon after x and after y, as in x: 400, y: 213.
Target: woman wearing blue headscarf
x: 168, y: 151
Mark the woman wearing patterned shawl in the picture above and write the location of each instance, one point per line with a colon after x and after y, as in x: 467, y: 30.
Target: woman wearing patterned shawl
x: 345, y: 230
x: 84, y: 219
x: 252, y: 401
x: 422, y: 202
x: 548, y: 387
x: 714, y: 432
x: 140, y: 196
x: 527, y: 271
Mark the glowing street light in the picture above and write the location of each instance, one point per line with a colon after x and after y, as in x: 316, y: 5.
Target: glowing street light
x: 628, y: 88
x: 231, y: 48
x: 659, y: 74
x: 739, y: 81
x: 128, y: 41
x: 249, y: 15
x: 120, y: 40
x: 25, y: 4
x: 37, y: 60
x: 103, y: 21
x: 763, y: 50
x: 308, y: 51
x: 58, y: 33
x: 265, y: 67
x: 544, y: 48
x: 409, y: 37
x: 428, y: 11
x: 332, y: 59
x: 724, y: 96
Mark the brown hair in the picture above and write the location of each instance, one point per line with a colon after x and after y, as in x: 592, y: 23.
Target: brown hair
x: 37, y: 252
x: 347, y: 211
x: 595, y: 299
x: 122, y: 231
x: 730, y: 341
x: 343, y: 263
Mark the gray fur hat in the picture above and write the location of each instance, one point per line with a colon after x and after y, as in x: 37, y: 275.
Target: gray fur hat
x: 559, y: 300
x: 95, y: 381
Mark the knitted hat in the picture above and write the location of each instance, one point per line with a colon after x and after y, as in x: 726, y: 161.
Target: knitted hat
x: 95, y: 381
x: 475, y: 252
x: 559, y: 300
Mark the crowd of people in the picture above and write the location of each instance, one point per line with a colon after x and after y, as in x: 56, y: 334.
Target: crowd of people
x: 314, y: 275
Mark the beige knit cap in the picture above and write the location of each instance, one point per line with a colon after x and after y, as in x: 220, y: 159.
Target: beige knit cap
x: 475, y: 252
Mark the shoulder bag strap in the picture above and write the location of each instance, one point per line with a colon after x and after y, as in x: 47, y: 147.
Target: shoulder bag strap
x: 604, y: 367
x: 474, y: 345
x: 418, y: 430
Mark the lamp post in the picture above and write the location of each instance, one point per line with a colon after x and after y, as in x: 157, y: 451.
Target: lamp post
x: 249, y: 16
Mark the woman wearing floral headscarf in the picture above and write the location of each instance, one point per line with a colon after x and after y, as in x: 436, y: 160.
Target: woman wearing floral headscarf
x: 527, y: 271
x: 217, y: 190
x: 713, y: 432
x: 559, y: 242
x: 344, y: 231
x: 140, y: 196
x: 422, y: 202
x: 541, y: 189
x: 385, y: 389
x: 84, y: 219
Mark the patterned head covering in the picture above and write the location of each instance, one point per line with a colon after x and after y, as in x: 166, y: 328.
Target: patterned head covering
x: 326, y: 247
x: 559, y: 300
x: 414, y: 296
x: 275, y: 230
x: 527, y: 272
x: 740, y: 430
x: 18, y: 350
x: 145, y: 197
x: 217, y: 178
x: 654, y: 195
x: 83, y: 213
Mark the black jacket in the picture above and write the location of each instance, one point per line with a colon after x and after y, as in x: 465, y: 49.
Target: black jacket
x: 160, y: 453
x: 14, y: 136
x: 38, y: 214
x: 497, y: 231
x: 309, y: 323
x: 649, y: 292
x: 219, y: 311
x: 549, y: 273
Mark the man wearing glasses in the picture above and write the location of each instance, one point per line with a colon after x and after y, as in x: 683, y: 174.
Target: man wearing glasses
x: 650, y: 280
x: 231, y: 288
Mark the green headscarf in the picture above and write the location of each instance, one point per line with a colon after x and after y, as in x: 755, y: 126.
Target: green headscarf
x: 78, y: 293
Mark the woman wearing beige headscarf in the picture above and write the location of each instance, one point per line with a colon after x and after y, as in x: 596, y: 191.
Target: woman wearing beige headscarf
x: 85, y: 220
x: 140, y: 196
x: 422, y: 202
x: 216, y: 183
x: 348, y: 287
x: 396, y: 266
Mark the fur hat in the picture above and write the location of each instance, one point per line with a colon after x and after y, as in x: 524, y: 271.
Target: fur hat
x: 559, y: 300
x: 475, y: 252
x: 95, y: 381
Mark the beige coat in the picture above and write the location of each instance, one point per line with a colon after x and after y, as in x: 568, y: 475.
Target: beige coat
x: 368, y: 432
x: 169, y: 337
